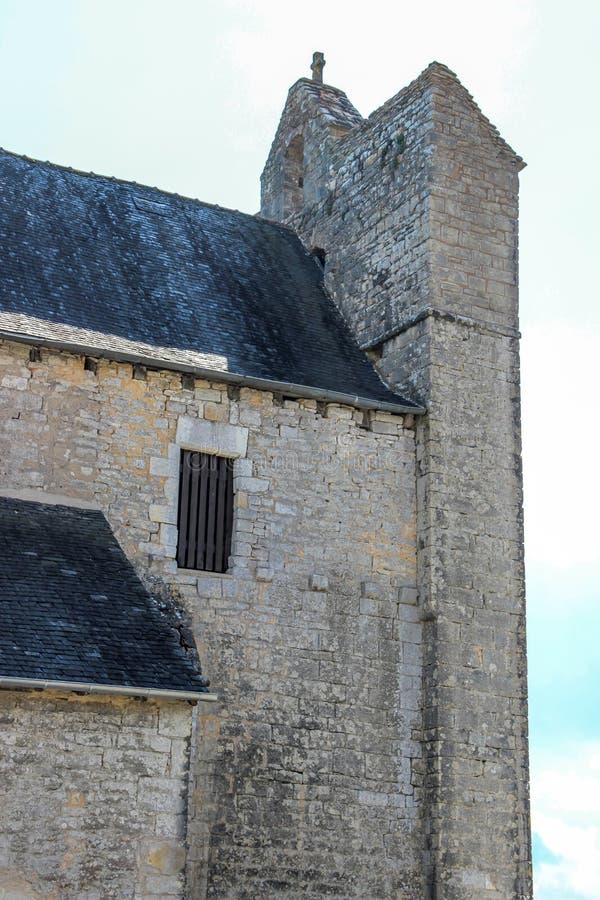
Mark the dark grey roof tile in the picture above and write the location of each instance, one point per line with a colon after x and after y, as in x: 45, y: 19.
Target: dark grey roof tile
x: 132, y: 270
x: 100, y: 625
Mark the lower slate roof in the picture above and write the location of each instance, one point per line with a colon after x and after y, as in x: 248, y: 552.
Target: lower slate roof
x: 114, y: 269
x: 72, y: 609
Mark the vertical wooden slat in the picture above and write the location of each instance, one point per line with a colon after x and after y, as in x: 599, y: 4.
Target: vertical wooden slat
x: 205, y: 511
x: 182, y: 512
x: 228, y: 514
x: 193, y: 464
x: 211, y: 514
x: 220, y: 515
x: 202, y: 498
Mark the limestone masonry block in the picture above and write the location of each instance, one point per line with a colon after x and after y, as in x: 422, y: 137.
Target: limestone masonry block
x: 373, y: 590
x: 408, y: 595
x: 211, y: 437
x: 264, y: 573
x: 92, y: 755
x: 319, y: 582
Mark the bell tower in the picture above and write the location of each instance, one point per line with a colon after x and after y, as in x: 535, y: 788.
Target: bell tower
x: 415, y: 209
x: 315, y: 116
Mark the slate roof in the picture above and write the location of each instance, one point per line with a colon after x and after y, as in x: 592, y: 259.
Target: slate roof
x: 114, y: 269
x: 73, y: 609
x: 333, y: 103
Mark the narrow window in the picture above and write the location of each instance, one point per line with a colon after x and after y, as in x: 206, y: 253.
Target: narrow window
x: 294, y: 175
x: 320, y: 255
x: 205, y: 517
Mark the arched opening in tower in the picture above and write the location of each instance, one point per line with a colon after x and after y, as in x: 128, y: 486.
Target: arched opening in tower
x: 294, y: 175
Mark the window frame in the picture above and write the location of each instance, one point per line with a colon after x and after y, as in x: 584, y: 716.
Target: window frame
x: 205, y: 511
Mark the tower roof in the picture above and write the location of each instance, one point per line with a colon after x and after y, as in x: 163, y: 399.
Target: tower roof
x: 330, y: 101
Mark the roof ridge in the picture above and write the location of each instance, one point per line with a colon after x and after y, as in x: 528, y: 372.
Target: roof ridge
x: 446, y: 73
x: 138, y: 186
x: 316, y: 85
x: 201, y: 290
x: 441, y: 70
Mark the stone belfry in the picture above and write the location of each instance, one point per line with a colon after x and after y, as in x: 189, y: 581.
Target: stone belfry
x: 414, y: 213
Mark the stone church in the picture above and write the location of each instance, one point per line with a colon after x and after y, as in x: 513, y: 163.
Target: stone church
x: 261, y: 541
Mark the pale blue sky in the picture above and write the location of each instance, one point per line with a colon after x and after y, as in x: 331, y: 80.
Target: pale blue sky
x: 186, y: 95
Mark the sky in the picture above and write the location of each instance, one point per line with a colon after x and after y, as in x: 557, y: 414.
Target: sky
x: 186, y: 95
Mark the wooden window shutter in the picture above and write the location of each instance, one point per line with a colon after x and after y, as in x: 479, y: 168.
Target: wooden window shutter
x: 205, y: 517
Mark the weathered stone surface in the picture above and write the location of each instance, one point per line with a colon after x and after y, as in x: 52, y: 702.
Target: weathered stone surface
x: 208, y: 436
x: 85, y: 783
x: 418, y: 229
x: 367, y: 642
x: 316, y: 703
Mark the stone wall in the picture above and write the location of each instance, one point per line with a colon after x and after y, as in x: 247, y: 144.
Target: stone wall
x: 464, y: 360
x: 419, y: 229
x: 307, y: 774
x: 93, y: 796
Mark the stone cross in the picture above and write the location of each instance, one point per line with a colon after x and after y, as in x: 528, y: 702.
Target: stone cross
x: 317, y: 67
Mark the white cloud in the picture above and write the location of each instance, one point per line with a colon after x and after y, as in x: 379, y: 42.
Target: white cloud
x: 566, y: 819
x: 561, y: 443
